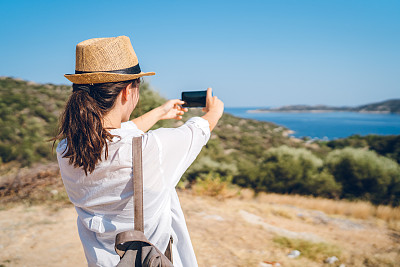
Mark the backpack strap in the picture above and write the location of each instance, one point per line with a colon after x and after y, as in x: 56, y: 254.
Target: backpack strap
x: 138, y: 191
x: 138, y: 183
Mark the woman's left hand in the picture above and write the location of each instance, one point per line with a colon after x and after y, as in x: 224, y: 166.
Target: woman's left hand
x: 172, y: 109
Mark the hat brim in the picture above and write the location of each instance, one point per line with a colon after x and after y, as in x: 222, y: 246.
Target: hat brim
x: 104, y: 77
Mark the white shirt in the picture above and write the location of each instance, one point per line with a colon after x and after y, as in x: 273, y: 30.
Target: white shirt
x: 104, y: 198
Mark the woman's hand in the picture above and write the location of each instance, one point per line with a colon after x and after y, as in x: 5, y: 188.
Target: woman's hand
x: 172, y: 110
x: 169, y: 110
x: 213, y: 104
x: 214, y: 109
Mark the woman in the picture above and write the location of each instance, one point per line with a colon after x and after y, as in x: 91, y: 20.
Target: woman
x: 94, y: 153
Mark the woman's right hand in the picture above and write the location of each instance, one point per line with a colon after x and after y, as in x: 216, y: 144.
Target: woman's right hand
x: 214, y: 109
x: 213, y: 104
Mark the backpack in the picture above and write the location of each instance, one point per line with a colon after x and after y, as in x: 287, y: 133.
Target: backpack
x: 132, y: 246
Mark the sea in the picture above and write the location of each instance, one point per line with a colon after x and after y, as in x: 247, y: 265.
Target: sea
x: 327, y: 125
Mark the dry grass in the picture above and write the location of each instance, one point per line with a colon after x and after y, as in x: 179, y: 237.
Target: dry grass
x: 243, y: 243
x: 282, y: 213
x: 314, y: 251
x: 214, y: 186
x: 219, y: 233
x: 387, y: 213
x: 355, y: 209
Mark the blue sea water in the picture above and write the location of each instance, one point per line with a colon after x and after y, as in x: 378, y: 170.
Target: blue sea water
x: 330, y: 125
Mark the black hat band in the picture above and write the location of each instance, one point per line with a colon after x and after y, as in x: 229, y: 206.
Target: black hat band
x: 132, y: 70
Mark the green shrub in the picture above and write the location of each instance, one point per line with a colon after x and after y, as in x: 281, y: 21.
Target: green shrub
x: 365, y: 175
x: 388, y: 146
x: 248, y: 173
x: 288, y: 170
x: 285, y: 169
x: 323, y: 184
x: 291, y: 170
x: 205, y: 165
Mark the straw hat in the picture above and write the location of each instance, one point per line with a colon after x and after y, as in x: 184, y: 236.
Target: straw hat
x: 102, y: 60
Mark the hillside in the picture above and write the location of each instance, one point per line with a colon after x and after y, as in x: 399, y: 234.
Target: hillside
x: 249, y: 153
x: 388, y: 106
x: 29, y: 114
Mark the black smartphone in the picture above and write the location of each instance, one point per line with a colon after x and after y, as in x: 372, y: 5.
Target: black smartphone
x: 194, y: 99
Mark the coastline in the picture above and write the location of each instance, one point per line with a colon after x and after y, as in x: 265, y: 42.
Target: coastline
x: 317, y: 111
x: 325, y: 124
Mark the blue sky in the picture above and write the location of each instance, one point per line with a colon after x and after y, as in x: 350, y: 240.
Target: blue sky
x: 253, y: 53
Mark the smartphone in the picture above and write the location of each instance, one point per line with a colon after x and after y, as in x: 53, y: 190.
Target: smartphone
x: 194, y: 99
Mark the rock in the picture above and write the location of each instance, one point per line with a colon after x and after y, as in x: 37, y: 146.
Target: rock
x: 269, y: 264
x: 331, y: 260
x: 214, y: 217
x: 293, y: 254
x: 254, y: 219
x: 54, y: 192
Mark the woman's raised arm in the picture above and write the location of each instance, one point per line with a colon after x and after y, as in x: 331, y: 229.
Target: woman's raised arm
x: 172, y: 110
x: 169, y: 110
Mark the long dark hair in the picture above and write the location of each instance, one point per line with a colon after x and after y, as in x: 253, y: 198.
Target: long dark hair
x: 81, y: 123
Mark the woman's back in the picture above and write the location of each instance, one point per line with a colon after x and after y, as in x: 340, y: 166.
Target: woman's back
x: 104, y: 198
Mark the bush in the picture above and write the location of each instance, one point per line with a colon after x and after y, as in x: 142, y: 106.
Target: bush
x: 205, y: 165
x: 365, y: 175
x: 214, y: 185
x: 323, y: 184
x: 388, y: 146
x: 247, y: 173
x: 289, y: 170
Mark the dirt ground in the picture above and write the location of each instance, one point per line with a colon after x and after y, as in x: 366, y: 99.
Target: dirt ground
x: 231, y: 232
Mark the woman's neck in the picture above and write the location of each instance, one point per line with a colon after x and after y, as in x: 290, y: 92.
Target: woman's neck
x: 112, y: 120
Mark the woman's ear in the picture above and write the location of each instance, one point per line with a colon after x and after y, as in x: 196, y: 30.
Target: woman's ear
x: 124, y: 94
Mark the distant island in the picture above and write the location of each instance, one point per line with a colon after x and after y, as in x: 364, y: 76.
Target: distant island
x: 391, y: 106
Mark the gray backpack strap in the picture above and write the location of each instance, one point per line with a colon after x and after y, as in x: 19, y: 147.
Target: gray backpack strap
x: 138, y: 190
x: 138, y: 183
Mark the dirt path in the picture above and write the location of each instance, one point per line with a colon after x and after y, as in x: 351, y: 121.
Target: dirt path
x: 35, y: 236
x: 233, y: 232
